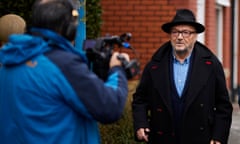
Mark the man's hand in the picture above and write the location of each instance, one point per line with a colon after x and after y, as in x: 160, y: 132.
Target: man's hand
x: 115, y: 61
x: 142, y: 134
x: 214, y: 142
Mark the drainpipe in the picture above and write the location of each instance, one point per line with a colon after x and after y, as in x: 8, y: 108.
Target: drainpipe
x: 232, y: 94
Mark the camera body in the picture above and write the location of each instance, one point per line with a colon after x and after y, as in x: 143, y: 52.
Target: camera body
x: 99, y: 52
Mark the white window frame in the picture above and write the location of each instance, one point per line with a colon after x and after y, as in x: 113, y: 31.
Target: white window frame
x: 219, y: 32
x: 201, y: 18
x: 236, y: 39
x: 226, y: 3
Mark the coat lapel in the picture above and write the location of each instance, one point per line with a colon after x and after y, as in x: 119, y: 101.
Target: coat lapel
x: 161, y: 79
x: 201, y: 70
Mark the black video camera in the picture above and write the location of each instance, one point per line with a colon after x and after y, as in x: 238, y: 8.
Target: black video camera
x: 99, y: 52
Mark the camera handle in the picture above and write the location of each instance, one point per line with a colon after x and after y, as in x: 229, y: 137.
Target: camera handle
x: 123, y: 60
x: 132, y: 68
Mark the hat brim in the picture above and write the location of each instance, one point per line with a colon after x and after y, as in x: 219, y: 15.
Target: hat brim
x: 168, y: 26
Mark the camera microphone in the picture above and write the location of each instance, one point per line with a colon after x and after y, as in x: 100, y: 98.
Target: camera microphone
x: 126, y: 37
x: 121, y: 41
x: 99, y: 52
x: 126, y: 45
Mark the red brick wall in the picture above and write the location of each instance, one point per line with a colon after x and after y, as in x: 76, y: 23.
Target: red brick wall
x: 190, y: 4
x: 227, y: 43
x: 210, y: 25
x: 143, y: 18
x: 239, y: 46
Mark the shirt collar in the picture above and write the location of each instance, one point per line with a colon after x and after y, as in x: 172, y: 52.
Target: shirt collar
x: 186, y: 61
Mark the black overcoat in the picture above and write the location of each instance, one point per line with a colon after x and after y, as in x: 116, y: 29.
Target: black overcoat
x: 208, y: 112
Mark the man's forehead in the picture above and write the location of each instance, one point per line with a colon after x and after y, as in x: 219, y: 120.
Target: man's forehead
x: 44, y: 1
x: 183, y: 26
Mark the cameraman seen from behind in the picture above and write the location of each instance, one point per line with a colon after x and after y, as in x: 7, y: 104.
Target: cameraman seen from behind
x: 48, y: 95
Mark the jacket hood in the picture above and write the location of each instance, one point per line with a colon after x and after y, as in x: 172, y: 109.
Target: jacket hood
x: 21, y: 48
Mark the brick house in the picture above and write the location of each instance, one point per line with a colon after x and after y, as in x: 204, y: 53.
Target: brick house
x: 143, y: 18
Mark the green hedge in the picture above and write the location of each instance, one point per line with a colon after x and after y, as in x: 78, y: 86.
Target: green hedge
x: 121, y: 132
x: 23, y: 8
x: 19, y: 7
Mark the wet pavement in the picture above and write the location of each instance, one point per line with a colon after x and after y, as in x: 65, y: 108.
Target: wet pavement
x: 234, y: 137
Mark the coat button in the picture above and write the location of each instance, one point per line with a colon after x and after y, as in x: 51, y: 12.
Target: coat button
x: 159, y: 110
x: 160, y: 132
x: 201, y: 128
x: 201, y: 105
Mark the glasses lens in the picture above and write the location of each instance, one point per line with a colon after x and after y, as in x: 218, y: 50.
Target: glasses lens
x: 175, y: 33
x: 184, y: 33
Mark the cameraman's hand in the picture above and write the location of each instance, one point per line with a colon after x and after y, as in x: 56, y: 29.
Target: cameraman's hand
x: 115, y: 61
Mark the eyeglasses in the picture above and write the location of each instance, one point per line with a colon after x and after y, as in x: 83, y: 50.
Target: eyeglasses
x: 184, y: 33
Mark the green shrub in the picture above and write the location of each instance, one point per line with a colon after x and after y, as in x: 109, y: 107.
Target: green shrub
x: 20, y: 7
x: 93, y: 19
x: 121, y: 132
x: 24, y: 7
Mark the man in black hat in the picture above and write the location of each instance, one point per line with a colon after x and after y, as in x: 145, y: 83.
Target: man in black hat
x: 182, y: 97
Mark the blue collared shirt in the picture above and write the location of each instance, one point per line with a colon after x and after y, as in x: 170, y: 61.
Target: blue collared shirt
x: 180, y: 71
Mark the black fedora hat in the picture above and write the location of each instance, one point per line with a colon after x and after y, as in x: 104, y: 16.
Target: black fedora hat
x: 183, y: 16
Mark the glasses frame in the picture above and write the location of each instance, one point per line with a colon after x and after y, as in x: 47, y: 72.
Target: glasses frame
x: 184, y: 33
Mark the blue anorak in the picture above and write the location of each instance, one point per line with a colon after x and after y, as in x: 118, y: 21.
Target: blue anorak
x: 48, y: 95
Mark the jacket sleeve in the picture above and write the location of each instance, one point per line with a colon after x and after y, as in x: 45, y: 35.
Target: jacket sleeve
x: 104, y: 101
x: 223, y: 111
x: 140, y: 104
